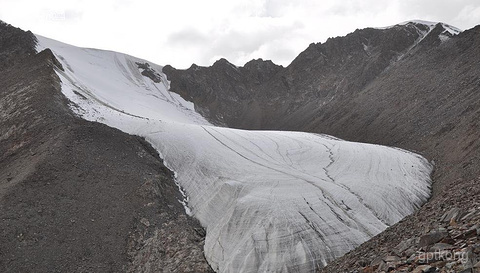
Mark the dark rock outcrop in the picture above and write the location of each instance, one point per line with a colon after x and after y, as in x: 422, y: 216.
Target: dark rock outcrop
x: 223, y: 93
x: 15, y: 45
x: 149, y: 72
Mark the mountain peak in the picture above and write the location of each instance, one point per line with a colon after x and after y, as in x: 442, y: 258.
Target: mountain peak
x: 260, y: 64
x: 421, y: 22
x: 451, y: 29
x: 222, y: 61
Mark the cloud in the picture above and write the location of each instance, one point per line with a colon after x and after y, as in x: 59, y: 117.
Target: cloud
x: 183, y: 32
x: 250, y: 35
x: 356, y: 7
x: 277, y: 8
x: 187, y: 37
x: 237, y: 38
x: 467, y: 17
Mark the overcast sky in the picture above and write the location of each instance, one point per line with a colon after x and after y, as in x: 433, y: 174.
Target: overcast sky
x: 182, y: 32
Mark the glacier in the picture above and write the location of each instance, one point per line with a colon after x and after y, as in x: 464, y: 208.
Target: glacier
x: 270, y: 201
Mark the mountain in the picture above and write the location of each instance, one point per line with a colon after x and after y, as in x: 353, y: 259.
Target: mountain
x: 291, y: 97
x: 413, y: 85
x: 269, y: 200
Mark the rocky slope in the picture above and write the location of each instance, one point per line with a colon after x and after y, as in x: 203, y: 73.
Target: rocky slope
x: 78, y: 196
x: 414, y: 86
x: 443, y: 236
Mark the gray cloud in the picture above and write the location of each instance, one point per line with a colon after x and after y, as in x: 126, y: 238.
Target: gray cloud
x: 355, y: 7
x: 241, y: 46
x: 188, y: 37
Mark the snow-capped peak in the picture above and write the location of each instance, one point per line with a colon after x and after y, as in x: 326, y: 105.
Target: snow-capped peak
x: 449, y: 28
x: 421, y: 22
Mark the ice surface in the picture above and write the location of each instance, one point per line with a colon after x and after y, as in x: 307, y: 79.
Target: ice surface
x: 270, y: 201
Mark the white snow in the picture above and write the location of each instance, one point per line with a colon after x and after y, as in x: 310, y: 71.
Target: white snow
x: 113, y: 79
x: 270, y: 201
x: 421, y: 22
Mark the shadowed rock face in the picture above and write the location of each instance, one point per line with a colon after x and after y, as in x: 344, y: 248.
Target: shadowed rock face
x: 15, y: 45
x: 77, y: 196
x: 235, y: 102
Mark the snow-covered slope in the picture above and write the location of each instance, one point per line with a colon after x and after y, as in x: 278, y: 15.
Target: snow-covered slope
x: 270, y: 201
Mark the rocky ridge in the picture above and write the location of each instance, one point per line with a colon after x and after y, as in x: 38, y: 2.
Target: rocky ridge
x: 201, y: 85
x: 286, y: 98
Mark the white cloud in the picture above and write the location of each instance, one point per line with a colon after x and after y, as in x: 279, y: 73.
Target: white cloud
x: 182, y: 32
x: 468, y: 16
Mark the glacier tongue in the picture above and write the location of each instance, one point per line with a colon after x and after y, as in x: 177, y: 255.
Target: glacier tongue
x: 270, y: 201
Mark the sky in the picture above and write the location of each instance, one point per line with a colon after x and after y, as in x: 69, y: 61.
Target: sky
x: 182, y: 32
